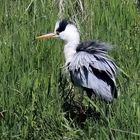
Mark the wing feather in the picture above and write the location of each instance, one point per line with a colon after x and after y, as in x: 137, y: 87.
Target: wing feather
x: 95, y: 71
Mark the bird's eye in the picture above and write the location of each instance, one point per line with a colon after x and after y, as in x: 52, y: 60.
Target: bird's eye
x: 57, y: 32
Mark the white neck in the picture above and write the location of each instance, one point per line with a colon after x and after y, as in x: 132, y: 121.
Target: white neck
x: 70, y: 50
x: 72, y: 38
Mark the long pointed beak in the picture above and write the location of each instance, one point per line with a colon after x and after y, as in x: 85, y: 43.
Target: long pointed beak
x: 47, y: 36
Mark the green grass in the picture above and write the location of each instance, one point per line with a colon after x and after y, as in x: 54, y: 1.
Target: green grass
x: 30, y: 100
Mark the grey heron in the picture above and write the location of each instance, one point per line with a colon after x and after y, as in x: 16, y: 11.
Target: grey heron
x: 88, y: 62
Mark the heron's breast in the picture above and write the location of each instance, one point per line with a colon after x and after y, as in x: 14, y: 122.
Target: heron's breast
x: 69, y: 53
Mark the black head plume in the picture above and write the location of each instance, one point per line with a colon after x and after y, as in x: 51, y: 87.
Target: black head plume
x: 62, y: 25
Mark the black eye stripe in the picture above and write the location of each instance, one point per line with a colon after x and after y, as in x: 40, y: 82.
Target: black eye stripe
x: 62, y: 25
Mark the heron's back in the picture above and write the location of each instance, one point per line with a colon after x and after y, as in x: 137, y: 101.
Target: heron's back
x: 92, y: 68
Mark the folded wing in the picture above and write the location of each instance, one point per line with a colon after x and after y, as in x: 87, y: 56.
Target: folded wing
x: 93, y: 69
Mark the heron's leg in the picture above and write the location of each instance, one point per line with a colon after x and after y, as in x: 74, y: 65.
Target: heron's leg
x: 81, y: 95
x: 89, y: 94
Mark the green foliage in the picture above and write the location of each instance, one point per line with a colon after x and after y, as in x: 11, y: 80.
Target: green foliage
x: 30, y: 101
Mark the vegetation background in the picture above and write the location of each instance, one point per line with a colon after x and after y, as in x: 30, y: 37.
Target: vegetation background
x: 30, y: 101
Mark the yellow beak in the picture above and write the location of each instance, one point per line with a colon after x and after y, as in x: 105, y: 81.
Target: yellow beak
x: 47, y: 36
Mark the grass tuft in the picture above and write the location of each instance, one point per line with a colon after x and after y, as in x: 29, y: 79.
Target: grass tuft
x: 32, y: 87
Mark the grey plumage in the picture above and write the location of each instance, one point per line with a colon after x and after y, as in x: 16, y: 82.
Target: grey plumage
x: 94, y: 70
x: 88, y: 62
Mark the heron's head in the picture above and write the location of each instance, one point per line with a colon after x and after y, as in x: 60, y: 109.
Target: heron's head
x: 64, y: 30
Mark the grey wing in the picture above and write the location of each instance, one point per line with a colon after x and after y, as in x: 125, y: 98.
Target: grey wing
x: 96, y: 72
